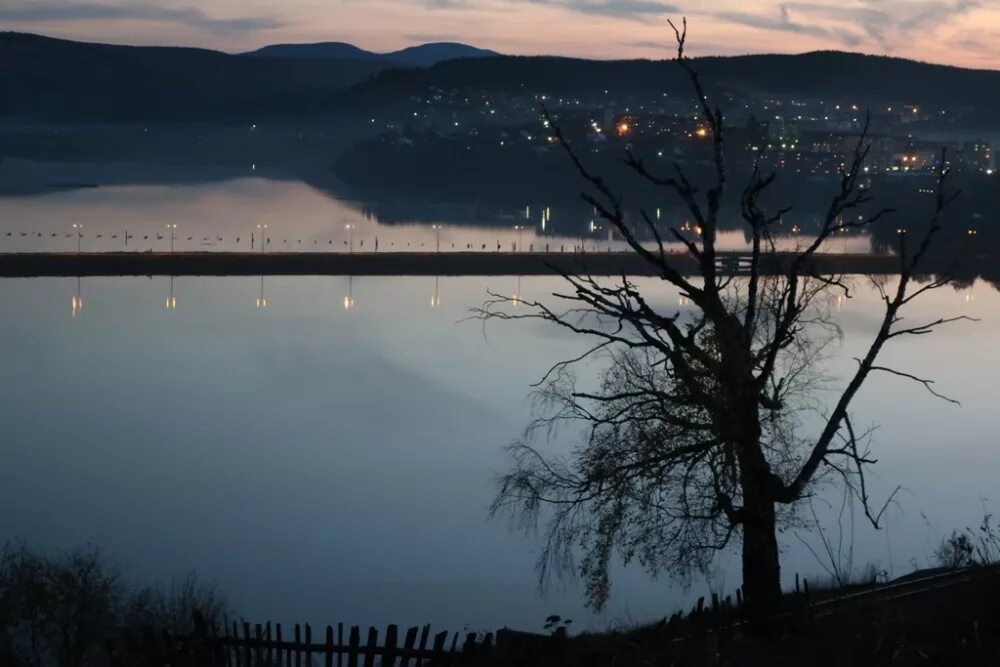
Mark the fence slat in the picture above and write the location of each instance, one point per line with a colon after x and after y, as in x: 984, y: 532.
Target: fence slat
x: 309, y: 634
x: 352, y: 656
x: 277, y: 638
x: 259, y: 650
x: 269, y: 649
x: 424, y: 635
x: 237, y: 654
x: 247, y: 656
x: 389, y: 655
x: 372, y: 647
x: 408, y: 642
x: 298, y: 644
x: 328, y: 652
x: 340, y: 642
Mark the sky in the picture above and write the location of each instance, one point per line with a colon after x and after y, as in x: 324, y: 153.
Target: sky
x: 958, y: 32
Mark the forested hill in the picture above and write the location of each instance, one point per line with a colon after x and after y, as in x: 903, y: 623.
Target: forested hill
x: 831, y: 74
x: 43, y: 78
x: 50, y: 79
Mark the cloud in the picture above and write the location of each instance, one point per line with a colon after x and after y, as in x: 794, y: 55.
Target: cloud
x: 430, y: 38
x: 625, y: 9
x: 782, y: 22
x: 886, y: 23
x: 935, y: 13
x: 648, y: 44
x: 190, y: 16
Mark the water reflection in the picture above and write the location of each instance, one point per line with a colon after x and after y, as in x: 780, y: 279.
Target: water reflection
x: 239, y: 215
x: 76, y: 302
x: 248, y: 465
x: 966, y: 292
x: 436, y: 297
x: 261, y: 301
x: 171, y: 302
x: 349, y: 297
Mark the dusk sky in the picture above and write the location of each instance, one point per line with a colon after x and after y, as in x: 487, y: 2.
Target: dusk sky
x: 961, y: 32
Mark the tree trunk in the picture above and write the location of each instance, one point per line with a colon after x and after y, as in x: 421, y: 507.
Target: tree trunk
x: 761, y: 565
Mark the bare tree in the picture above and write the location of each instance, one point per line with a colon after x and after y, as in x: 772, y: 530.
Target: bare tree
x: 693, y: 438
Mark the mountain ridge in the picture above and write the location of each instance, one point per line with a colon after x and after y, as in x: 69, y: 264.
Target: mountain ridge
x: 48, y: 78
x: 421, y: 55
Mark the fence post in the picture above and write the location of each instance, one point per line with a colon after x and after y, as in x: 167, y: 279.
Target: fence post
x: 269, y: 649
x: 371, y: 648
x: 259, y: 648
x: 329, y: 646
x: 424, y: 635
x: 278, y: 648
x: 389, y: 655
x: 340, y: 643
x: 805, y: 587
x: 438, y: 655
x: 298, y: 645
x: 408, y: 642
x: 309, y: 635
x: 247, y: 655
x: 352, y: 656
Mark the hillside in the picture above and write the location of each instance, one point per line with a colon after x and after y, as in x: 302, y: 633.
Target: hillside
x: 831, y: 74
x: 45, y: 78
x: 417, y: 56
x: 50, y: 79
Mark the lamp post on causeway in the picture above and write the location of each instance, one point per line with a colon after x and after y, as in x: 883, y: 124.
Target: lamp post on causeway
x: 437, y: 237
x: 263, y: 231
x: 350, y: 233
x: 520, y: 229
x: 171, y: 229
x: 79, y: 235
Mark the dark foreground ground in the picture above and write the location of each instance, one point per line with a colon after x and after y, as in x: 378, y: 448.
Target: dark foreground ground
x: 413, y: 263
x: 941, y: 618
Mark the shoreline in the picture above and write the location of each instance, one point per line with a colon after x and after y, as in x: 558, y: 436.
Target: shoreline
x: 26, y: 265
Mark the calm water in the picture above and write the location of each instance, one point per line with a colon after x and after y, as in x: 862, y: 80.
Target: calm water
x: 323, y: 447
x: 233, y: 212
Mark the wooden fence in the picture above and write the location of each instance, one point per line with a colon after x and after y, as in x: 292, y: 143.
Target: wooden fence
x: 270, y: 645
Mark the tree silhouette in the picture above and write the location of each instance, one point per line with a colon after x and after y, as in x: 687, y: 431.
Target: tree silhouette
x: 693, y: 438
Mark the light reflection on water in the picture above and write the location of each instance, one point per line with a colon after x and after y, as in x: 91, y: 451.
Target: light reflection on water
x: 324, y: 446
x: 261, y: 215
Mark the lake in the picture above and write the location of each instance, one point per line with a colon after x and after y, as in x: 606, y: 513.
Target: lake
x: 324, y: 447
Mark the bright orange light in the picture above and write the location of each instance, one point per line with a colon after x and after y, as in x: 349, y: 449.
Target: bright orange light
x: 702, y: 132
x: 623, y: 128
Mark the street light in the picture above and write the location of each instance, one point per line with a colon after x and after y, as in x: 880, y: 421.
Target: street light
x: 263, y: 231
x: 171, y: 229
x: 520, y: 229
x: 350, y: 232
x: 437, y: 237
x: 79, y: 235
